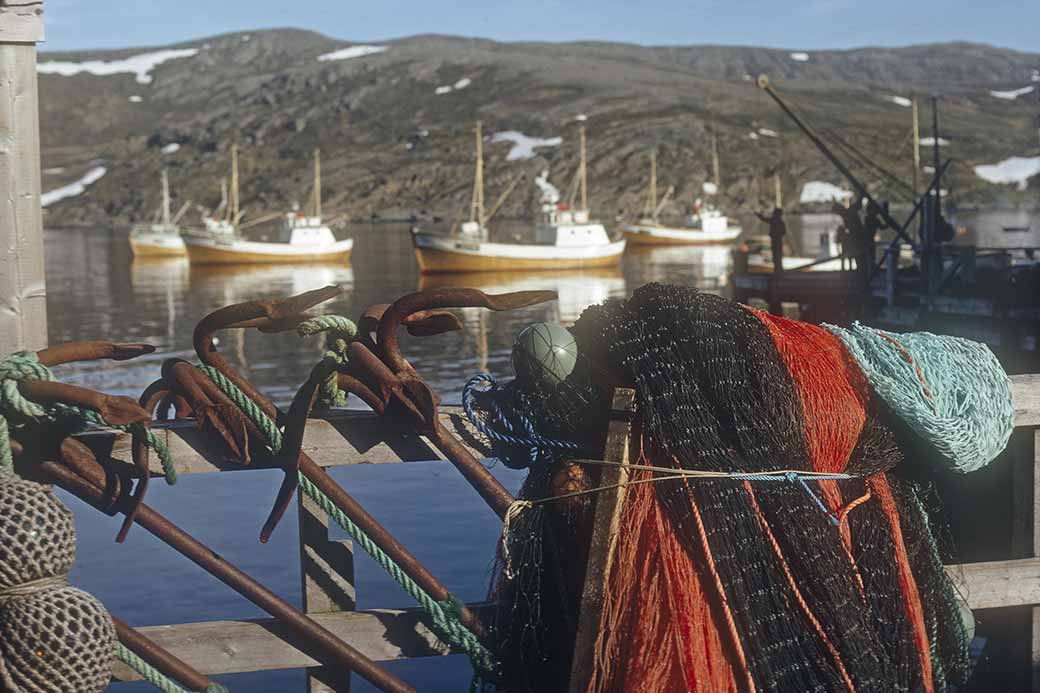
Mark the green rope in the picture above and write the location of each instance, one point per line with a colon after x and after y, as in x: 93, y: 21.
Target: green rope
x: 26, y: 366
x: 341, y: 331
x: 445, y: 615
x: 6, y: 455
x: 154, y: 676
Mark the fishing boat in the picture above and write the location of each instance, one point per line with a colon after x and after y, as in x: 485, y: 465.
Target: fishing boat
x: 565, y: 236
x: 705, y: 226
x: 161, y: 237
x: 828, y: 259
x: 300, y: 238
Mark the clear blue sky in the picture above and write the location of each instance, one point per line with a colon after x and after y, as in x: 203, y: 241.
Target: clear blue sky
x: 808, y: 24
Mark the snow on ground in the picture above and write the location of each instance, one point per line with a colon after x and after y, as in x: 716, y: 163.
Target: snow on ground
x: 1017, y: 169
x: 52, y: 171
x: 709, y: 188
x: 766, y: 132
x: 171, y: 148
x: 752, y: 135
x: 930, y: 142
x: 900, y: 100
x: 351, y: 52
x: 448, y: 88
x: 73, y: 189
x: 1035, y: 77
x: 523, y: 145
x: 140, y: 65
x: 246, y: 37
x: 1013, y: 94
x: 818, y: 191
x: 135, y: 99
x: 800, y: 57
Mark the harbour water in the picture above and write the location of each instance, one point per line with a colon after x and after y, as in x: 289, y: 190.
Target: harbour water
x: 96, y: 291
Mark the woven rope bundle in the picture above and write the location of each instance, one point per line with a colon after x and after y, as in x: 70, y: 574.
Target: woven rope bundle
x: 951, y: 392
x: 54, y: 638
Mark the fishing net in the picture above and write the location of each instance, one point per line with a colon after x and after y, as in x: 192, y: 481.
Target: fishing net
x: 725, y: 583
x: 54, y: 638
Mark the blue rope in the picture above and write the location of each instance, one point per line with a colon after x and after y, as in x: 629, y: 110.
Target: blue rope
x: 528, y: 437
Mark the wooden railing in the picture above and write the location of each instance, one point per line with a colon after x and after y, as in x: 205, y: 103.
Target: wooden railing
x: 347, y: 438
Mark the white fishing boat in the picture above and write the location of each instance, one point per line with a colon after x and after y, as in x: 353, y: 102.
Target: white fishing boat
x: 706, y: 226
x: 161, y: 237
x: 763, y: 261
x: 564, y: 237
x: 301, y: 237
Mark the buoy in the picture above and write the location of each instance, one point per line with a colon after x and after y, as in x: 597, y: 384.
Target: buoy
x: 544, y: 353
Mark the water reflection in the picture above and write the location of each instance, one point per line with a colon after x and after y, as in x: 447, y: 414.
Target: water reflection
x: 704, y: 267
x: 247, y: 282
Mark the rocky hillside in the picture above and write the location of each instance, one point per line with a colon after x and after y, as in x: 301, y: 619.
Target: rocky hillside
x: 394, y: 121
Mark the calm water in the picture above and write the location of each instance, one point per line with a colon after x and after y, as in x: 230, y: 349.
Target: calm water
x: 96, y: 291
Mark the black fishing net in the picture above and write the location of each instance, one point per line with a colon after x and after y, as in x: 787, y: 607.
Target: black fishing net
x: 812, y: 613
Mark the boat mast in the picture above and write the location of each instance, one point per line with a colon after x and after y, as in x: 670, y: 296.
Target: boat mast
x: 779, y: 191
x: 234, y: 185
x: 317, y: 183
x: 715, y: 162
x: 223, y: 206
x: 476, y: 208
x: 916, y: 143
x: 165, y: 199
x: 582, y: 167
x: 652, y: 199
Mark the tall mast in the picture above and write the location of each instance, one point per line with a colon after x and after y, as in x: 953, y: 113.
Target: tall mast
x: 234, y: 185
x: 223, y: 207
x: 779, y: 191
x: 582, y: 167
x: 715, y: 162
x: 935, y: 154
x: 165, y: 199
x: 317, y: 182
x: 476, y: 208
x: 653, y: 184
x: 916, y: 144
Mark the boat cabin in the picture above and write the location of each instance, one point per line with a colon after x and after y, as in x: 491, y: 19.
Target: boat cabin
x: 561, y: 226
x: 300, y: 229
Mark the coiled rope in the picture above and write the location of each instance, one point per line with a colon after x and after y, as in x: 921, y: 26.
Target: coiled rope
x: 342, y: 330
x: 154, y: 676
x: 26, y: 366
x: 530, y: 440
x: 951, y: 392
x: 445, y: 616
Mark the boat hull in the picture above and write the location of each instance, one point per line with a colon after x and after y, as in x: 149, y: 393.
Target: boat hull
x: 156, y: 245
x: 760, y: 263
x: 643, y: 234
x: 444, y: 254
x: 224, y: 252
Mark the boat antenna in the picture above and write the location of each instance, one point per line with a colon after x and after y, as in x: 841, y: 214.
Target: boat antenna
x: 234, y: 185
x: 583, y: 166
x: 715, y: 159
x: 317, y: 182
x: 476, y: 209
x: 916, y: 143
x: 165, y: 198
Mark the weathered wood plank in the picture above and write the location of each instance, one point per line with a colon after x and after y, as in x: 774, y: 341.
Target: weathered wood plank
x: 327, y: 574
x: 337, y: 438
x: 609, y: 503
x: 1025, y: 391
x: 23, y: 314
x: 997, y: 584
x: 21, y: 21
x: 227, y: 647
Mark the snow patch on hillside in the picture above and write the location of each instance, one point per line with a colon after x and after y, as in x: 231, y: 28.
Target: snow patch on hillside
x: 524, y: 145
x: 458, y: 86
x: 819, y: 191
x: 799, y: 56
x: 899, y: 100
x: 766, y: 132
x: 140, y: 65
x: 930, y: 142
x: 135, y: 99
x: 351, y: 52
x: 1017, y: 169
x: 73, y: 189
x: 171, y: 148
x: 1012, y: 94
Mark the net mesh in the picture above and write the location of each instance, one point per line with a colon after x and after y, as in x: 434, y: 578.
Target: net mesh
x: 796, y: 600
x: 54, y: 638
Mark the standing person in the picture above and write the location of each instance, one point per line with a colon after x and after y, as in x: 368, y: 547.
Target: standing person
x: 855, y: 234
x: 777, y: 231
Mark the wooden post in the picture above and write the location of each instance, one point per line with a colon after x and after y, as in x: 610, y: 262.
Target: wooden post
x: 23, y: 293
x: 327, y: 576
x: 604, y: 536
